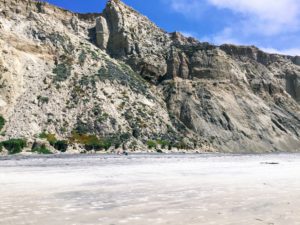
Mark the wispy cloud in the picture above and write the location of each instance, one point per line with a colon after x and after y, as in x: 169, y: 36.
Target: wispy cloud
x: 267, y: 17
x: 190, y: 8
x: 224, y: 36
x: 260, y: 22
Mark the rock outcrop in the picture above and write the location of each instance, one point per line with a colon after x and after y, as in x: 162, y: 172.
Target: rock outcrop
x: 137, y: 41
x: 117, y: 77
x: 102, y: 33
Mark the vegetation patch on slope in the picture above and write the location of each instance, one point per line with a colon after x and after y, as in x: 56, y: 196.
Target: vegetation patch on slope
x: 2, y: 122
x: 125, y: 76
x: 14, y: 146
x: 41, y: 150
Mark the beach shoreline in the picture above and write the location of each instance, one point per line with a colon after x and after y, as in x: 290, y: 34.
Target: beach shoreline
x: 150, y: 189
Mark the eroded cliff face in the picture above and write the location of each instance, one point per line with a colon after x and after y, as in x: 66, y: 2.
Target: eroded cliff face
x: 136, y: 40
x: 117, y: 75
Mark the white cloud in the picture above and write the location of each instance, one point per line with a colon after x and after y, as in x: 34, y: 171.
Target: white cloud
x: 225, y: 36
x: 268, y: 17
x: 274, y: 23
x: 186, y: 7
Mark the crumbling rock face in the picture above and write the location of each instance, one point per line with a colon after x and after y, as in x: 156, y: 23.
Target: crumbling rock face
x: 117, y: 75
x: 254, y: 75
x: 136, y: 40
x: 293, y: 86
x: 178, y: 65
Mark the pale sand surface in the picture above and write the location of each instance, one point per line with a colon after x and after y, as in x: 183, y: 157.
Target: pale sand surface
x: 145, y: 189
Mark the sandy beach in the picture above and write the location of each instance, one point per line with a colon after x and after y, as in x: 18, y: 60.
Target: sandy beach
x: 150, y: 189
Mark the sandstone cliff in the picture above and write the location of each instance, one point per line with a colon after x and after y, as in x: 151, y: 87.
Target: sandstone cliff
x: 118, y: 78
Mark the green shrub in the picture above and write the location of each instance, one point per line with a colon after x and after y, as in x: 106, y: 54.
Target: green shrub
x: 62, y: 72
x: 49, y: 137
x: 43, y: 135
x: 151, y: 144
x: 41, y: 150
x: 61, y: 145
x: 124, y: 137
x: 136, y: 132
x: 96, y: 143
x: 83, y: 128
x: 43, y: 100
x: 124, y: 75
x: 102, y: 118
x: 163, y: 143
x: 82, y: 57
x: 92, y: 142
x: 94, y: 55
x: 2, y: 122
x: 84, y: 81
x: 93, y: 145
x: 14, y: 146
x: 62, y: 41
x: 106, y: 143
x: 117, y: 144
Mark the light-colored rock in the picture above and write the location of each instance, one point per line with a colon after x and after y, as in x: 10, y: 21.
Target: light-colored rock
x: 102, y: 33
x: 137, y: 41
x: 140, y: 84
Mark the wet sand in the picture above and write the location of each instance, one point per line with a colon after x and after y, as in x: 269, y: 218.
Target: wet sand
x: 150, y: 189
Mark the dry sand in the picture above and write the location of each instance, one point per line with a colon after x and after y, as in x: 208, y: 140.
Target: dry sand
x: 143, y: 189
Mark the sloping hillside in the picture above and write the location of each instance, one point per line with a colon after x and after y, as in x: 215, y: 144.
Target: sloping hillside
x: 85, y: 82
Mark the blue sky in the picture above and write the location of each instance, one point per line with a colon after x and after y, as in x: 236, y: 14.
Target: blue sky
x: 273, y: 25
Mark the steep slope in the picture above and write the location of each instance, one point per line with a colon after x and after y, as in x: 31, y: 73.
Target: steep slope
x: 115, y: 80
x: 239, y: 98
x: 55, y: 80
